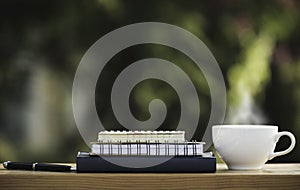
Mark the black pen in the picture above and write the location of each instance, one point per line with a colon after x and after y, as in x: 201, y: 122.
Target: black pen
x: 34, y: 166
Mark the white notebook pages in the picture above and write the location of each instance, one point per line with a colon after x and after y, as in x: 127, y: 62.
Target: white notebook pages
x: 141, y: 136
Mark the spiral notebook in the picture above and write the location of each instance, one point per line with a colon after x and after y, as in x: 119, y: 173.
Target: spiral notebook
x: 145, y: 146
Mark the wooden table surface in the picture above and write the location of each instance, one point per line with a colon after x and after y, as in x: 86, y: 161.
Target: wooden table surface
x: 273, y: 176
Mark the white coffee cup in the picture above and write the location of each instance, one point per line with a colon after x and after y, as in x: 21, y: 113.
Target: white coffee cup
x: 248, y: 147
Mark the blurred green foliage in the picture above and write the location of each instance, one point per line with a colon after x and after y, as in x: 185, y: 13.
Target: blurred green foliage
x: 255, y: 42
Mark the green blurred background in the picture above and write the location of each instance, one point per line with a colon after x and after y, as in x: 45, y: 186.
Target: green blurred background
x: 256, y: 44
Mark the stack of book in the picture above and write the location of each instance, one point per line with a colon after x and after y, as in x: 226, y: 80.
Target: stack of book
x: 177, y: 154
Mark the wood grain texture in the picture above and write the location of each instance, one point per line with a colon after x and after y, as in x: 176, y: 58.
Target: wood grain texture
x: 273, y: 176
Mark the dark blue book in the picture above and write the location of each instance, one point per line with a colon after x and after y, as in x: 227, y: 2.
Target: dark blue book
x: 87, y: 163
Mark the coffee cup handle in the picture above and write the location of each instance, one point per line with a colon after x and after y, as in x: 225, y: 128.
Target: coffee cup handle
x: 289, y: 149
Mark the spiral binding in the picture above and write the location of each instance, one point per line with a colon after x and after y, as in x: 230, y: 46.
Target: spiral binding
x: 148, y: 148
